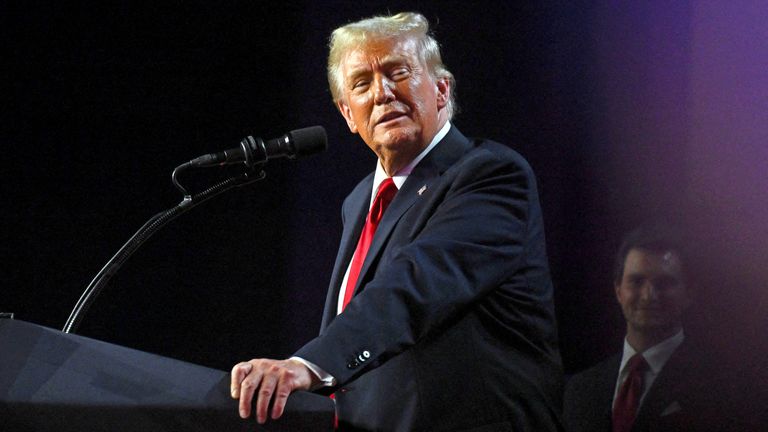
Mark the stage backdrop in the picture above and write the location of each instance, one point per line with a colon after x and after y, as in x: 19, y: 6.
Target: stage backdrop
x: 627, y: 111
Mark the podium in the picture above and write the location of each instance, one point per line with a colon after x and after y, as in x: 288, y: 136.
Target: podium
x: 53, y: 381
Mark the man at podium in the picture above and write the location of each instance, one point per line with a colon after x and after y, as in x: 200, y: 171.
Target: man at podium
x: 439, y: 314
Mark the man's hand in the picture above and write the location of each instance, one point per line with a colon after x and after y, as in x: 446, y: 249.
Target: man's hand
x: 278, y: 378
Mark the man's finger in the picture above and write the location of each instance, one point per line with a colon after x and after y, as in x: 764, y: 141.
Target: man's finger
x: 247, y: 388
x: 239, y: 372
x: 266, y: 390
x: 285, y: 386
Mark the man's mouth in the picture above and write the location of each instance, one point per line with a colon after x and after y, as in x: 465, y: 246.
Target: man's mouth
x: 651, y: 309
x: 394, y: 115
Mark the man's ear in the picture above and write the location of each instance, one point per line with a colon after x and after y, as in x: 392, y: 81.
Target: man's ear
x: 443, y: 92
x: 346, y: 112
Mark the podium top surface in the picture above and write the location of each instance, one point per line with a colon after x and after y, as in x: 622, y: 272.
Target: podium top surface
x: 50, y: 380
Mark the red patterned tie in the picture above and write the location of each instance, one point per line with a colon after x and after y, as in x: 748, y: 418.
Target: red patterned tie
x: 384, y: 196
x: 628, y: 399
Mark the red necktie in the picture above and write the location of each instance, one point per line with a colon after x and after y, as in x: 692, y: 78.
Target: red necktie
x: 384, y: 196
x: 628, y: 399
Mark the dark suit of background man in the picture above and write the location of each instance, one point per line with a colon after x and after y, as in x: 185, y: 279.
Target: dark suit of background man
x: 682, y: 387
x: 451, y: 326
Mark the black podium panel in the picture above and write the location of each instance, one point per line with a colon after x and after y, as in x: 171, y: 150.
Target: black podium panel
x: 53, y: 381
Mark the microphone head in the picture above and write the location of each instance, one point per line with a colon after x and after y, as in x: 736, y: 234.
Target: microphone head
x: 308, y: 141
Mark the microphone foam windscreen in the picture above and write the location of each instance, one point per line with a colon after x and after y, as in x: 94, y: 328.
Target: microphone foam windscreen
x: 308, y: 141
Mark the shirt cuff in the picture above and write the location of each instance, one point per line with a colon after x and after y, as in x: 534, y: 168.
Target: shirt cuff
x: 326, y: 379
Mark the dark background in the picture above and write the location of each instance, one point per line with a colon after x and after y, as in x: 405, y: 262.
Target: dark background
x: 628, y: 111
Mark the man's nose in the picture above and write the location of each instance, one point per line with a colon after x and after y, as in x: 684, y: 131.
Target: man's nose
x: 650, y: 291
x: 382, y: 90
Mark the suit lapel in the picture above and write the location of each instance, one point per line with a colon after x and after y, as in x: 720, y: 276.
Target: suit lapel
x: 354, y: 213
x: 607, y: 382
x: 422, y: 179
x: 666, y: 389
x: 404, y: 199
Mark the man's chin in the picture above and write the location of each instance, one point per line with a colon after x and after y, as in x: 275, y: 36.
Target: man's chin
x: 399, y: 135
x: 400, y: 140
x: 655, y: 325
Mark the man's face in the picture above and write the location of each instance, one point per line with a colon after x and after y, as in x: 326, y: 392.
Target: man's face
x: 651, y: 293
x: 391, y: 99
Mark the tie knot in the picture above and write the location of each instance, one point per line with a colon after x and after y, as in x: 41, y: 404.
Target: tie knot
x: 387, y: 188
x: 385, y: 194
x: 637, y: 364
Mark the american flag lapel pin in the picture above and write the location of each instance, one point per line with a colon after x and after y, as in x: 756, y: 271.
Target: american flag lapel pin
x: 423, y: 188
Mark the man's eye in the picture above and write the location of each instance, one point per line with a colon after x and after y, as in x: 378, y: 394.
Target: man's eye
x: 359, y: 85
x: 400, y: 73
x: 666, y: 283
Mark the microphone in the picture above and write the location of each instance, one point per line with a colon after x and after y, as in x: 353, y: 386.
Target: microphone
x: 295, y: 144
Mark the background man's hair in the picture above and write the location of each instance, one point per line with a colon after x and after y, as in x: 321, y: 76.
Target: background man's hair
x: 356, y: 34
x: 654, y: 237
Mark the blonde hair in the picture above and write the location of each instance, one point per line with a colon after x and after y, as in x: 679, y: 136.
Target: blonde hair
x: 356, y: 34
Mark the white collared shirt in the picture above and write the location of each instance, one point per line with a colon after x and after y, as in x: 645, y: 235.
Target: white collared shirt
x: 656, y: 357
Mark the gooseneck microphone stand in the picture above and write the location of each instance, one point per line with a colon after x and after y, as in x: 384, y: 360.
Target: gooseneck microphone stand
x: 251, y: 175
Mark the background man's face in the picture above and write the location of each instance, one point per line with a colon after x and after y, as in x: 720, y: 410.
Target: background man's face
x: 390, y: 98
x: 651, y: 292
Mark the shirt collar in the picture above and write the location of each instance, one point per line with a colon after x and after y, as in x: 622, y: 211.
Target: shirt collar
x: 657, y: 355
x: 402, y: 174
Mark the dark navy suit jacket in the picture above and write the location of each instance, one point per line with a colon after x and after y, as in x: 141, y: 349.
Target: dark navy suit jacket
x: 691, y: 393
x: 452, y: 324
